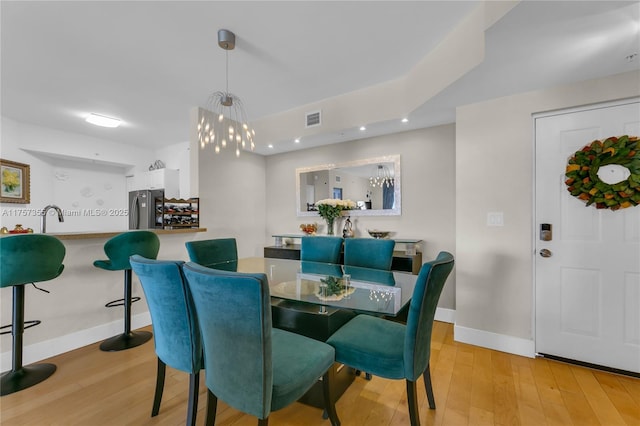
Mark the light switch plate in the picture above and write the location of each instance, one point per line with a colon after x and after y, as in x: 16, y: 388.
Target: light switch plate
x: 495, y: 219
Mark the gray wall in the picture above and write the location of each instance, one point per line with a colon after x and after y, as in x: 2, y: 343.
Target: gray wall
x: 232, y: 198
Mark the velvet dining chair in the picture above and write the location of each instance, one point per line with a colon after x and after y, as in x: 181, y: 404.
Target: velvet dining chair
x: 218, y: 253
x: 177, y: 337
x: 369, y: 253
x: 250, y: 365
x: 393, y: 350
x: 321, y: 249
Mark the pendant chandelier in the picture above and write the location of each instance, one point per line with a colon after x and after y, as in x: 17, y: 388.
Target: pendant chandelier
x: 382, y: 177
x: 229, y: 123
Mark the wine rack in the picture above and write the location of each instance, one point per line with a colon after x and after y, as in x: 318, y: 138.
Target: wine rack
x: 175, y: 213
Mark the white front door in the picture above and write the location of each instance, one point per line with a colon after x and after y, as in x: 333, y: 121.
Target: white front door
x: 588, y: 291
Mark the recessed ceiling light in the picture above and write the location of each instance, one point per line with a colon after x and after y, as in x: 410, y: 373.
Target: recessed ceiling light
x: 405, y: 120
x: 362, y: 128
x: 103, y: 120
x: 297, y: 140
x: 270, y: 146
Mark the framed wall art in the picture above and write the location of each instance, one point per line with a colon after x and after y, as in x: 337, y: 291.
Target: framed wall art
x: 14, y: 182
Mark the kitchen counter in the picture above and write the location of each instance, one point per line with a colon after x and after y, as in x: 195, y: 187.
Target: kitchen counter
x: 73, y: 313
x: 109, y: 234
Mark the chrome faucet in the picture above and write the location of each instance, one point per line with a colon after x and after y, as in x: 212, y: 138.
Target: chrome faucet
x: 43, y: 218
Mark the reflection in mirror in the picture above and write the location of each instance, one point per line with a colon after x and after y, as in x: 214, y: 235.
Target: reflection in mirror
x: 374, y: 184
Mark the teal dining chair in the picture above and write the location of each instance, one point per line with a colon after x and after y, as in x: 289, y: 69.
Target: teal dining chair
x: 118, y: 249
x: 369, y: 253
x: 321, y: 249
x: 26, y: 259
x: 393, y: 350
x: 176, y: 334
x: 219, y: 253
x: 250, y: 365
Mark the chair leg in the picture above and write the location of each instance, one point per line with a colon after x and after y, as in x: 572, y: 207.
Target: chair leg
x: 263, y: 422
x: 20, y: 377
x: 192, y: 409
x: 427, y: 385
x: 157, y: 399
x: 212, y: 406
x: 367, y: 376
x: 329, y: 401
x: 412, y: 398
x: 129, y: 339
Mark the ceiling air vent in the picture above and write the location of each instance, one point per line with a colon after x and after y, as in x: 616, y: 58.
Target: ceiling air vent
x: 313, y: 119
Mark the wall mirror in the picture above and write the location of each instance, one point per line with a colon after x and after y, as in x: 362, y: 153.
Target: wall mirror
x: 374, y: 184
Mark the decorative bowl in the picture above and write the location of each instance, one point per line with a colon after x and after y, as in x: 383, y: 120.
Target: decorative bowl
x: 378, y: 234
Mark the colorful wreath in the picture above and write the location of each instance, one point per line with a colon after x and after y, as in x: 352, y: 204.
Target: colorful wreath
x: 584, y: 183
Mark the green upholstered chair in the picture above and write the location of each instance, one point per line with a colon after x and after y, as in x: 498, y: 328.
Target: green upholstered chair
x: 220, y: 253
x: 250, y: 365
x: 26, y: 258
x: 368, y: 273
x: 119, y: 249
x: 176, y: 333
x: 393, y: 350
x: 369, y: 253
x: 321, y: 249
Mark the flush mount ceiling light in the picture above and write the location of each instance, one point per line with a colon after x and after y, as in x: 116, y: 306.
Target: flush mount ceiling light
x: 382, y: 177
x: 229, y: 123
x: 103, y: 120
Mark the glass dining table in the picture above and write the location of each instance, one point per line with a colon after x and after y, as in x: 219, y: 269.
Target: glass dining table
x: 321, y: 286
x: 316, y: 299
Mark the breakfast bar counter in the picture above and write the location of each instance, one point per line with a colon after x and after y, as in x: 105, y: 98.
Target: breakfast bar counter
x: 109, y: 234
x: 72, y: 309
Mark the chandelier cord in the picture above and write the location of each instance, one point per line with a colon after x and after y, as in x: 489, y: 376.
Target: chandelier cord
x: 227, y: 69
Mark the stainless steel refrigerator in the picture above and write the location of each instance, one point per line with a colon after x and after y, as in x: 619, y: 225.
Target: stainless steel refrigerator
x: 146, y: 208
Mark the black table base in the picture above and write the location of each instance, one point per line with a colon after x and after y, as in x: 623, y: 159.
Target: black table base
x: 308, y: 320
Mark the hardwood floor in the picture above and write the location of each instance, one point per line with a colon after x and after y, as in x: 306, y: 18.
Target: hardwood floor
x: 472, y: 385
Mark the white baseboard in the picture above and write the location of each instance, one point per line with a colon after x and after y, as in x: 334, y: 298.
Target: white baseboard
x: 498, y: 342
x: 59, y: 345
x: 446, y: 315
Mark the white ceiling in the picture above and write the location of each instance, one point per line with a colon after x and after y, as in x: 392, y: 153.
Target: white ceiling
x: 150, y: 62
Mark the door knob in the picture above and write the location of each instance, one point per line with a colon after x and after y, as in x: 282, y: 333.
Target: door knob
x: 546, y: 253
